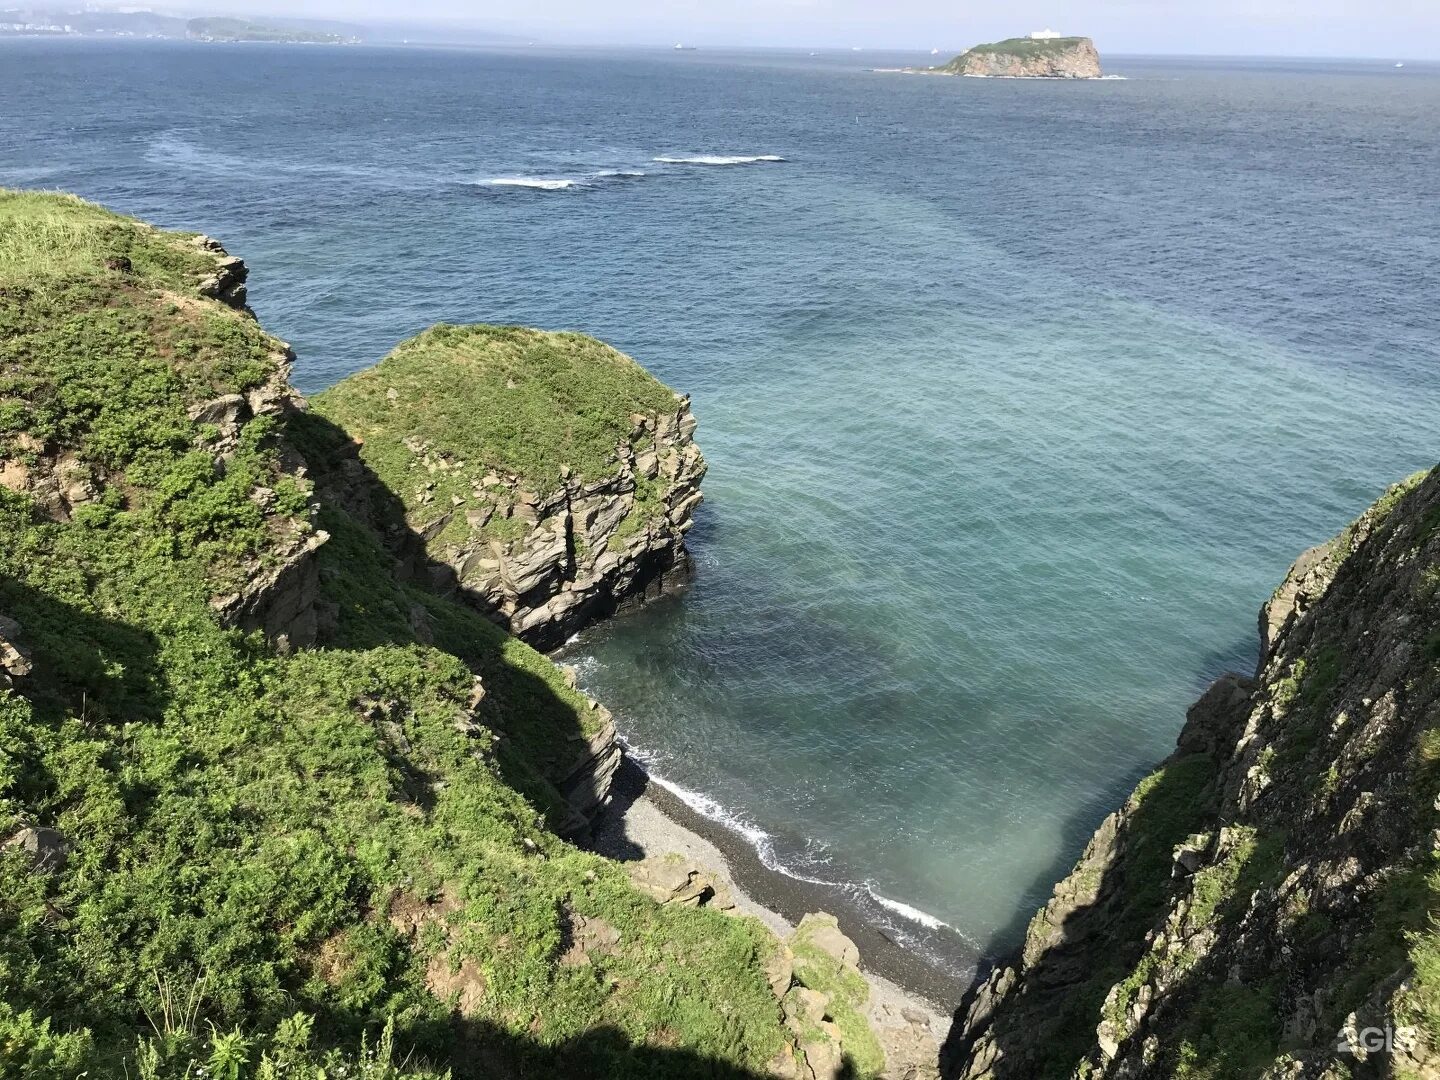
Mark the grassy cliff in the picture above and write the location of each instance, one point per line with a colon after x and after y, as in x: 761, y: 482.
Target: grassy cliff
x: 549, y: 478
x: 520, y: 408
x: 226, y: 851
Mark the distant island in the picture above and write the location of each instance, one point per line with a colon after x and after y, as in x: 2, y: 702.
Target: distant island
x: 1041, y: 55
x: 139, y: 23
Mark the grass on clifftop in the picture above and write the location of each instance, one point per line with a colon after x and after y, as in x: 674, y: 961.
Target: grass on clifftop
x: 1026, y: 47
x: 300, y: 865
x: 506, y: 398
x: 1018, y: 48
x: 45, y: 236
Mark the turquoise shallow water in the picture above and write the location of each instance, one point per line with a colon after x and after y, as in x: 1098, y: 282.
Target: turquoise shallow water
x: 1018, y: 398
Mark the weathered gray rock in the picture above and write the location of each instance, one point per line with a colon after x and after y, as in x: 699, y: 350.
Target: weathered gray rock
x: 585, y: 553
x: 279, y: 600
x: 14, y: 656
x: 822, y: 930
x: 779, y: 969
x: 673, y: 879
x: 46, y: 847
x: 823, y: 1056
x: 804, y: 1008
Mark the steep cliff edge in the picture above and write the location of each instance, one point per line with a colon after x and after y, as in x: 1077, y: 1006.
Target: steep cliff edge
x: 1025, y: 58
x: 1263, y: 904
x: 227, y: 852
x: 550, y: 477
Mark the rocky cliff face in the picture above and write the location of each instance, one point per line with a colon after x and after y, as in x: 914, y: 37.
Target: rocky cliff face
x: 1061, y: 58
x: 580, y: 551
x: 277, y: 594
x: 1262, y: 904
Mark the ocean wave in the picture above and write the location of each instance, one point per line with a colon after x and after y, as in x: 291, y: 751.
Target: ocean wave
x: 925, y: 931
x: 718, y: 159
x: 537, y: 183
x: 561, y: 183
x: 761, y: 841
x: 914, y: 914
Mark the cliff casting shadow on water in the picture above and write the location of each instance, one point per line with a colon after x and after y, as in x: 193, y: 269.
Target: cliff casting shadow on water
x: 1049, y: 1023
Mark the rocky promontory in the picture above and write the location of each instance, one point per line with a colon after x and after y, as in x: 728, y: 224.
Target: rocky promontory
x: 1028, y: 58
x: 1263, y: 904
x: 550, y: 478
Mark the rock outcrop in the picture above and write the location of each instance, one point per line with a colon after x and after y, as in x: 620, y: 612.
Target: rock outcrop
x: 45, y: 848
x: 1024, y: 58
x: 584, y: 550
x: 547, y: 533
x: 1262, y: 903
x: 14, y: 656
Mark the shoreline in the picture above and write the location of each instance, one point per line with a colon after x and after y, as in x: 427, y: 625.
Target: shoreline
x: 644, y: 819
x: 977, y: 75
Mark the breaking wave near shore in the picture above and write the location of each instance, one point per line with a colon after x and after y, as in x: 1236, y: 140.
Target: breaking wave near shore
x: 944, y: 946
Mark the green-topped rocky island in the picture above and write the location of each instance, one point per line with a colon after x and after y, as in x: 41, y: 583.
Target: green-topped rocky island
x: 1041, y: 55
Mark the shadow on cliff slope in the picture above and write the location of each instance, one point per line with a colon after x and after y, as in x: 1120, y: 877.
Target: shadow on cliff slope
x: 82, y: 665
x: 604, y: 1053
x: 379, y: 587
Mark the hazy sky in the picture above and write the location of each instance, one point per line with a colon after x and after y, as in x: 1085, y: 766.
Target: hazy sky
x: 1400, y: 28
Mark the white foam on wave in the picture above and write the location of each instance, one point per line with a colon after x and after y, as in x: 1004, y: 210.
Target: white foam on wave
x: 914, y: 914
x: 707, y: 807
x: 538, y: 183
x: 620, y: 174
x: 764, y: 846
x: 718, y: 159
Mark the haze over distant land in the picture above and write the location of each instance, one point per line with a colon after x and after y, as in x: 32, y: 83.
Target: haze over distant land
x: 1381, y: 28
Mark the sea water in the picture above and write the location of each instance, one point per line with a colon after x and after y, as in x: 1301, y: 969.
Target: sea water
x: 1019, y: 397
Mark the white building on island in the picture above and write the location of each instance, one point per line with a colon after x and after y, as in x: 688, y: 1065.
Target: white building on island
x: 1045, y: 35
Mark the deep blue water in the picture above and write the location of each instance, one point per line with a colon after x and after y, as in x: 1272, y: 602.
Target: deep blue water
x: 1019, y: 398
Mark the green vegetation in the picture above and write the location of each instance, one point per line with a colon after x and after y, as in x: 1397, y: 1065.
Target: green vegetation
x: 46, y: 238
x: 1025, y: 48
x: 1017, y: 48
x: 280, y: 864
x: 456, y: 404
x: 518, y: 401
x: 1229, y: 1033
